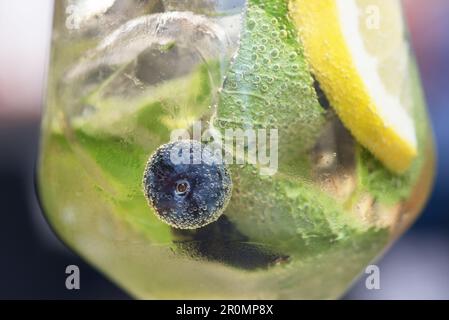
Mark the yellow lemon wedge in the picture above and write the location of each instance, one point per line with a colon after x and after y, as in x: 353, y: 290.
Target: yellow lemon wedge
x: 359, y: 54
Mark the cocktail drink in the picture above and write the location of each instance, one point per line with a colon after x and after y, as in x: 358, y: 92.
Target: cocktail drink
x: 259, y: 149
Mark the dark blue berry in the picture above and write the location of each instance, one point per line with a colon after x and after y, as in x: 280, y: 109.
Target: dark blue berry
x: 187, y: 185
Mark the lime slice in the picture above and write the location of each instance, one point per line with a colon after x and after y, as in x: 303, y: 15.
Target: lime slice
x: 269, y: 85
x: 359, y: 54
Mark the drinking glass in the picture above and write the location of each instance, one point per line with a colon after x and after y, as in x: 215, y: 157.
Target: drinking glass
x: 300, y: 220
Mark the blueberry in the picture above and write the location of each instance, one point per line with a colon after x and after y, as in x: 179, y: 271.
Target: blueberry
x: 187, y: 185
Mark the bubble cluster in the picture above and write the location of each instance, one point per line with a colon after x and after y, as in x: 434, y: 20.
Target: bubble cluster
x: 187, y: 195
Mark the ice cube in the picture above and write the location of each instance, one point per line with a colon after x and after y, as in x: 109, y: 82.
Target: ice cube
x: 150, y: 50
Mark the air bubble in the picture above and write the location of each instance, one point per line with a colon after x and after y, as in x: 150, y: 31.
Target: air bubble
x: 266, y: 61
x: 283, y: 33
x: 251, y: 24
x: 274, y: 53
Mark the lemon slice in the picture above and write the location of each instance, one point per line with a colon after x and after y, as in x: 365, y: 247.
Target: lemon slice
x: 358, y: 52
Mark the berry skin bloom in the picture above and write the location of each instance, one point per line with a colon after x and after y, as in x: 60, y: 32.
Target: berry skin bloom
x: 186, y: 184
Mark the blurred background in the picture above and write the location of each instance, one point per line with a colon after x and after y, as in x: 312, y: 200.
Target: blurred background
x: 33, y: 260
